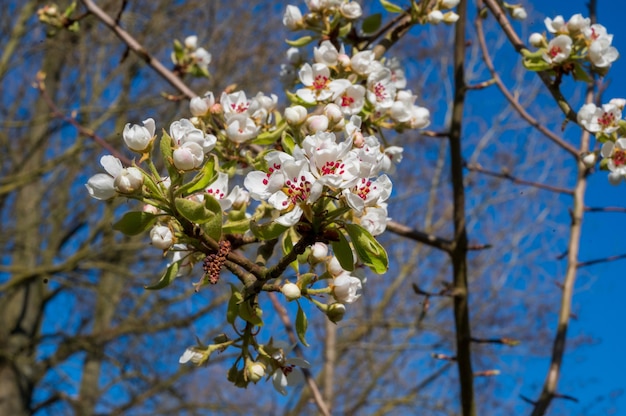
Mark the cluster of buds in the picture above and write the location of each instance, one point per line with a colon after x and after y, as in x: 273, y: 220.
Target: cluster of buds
x: 570, y: 45
x: 188, y: 58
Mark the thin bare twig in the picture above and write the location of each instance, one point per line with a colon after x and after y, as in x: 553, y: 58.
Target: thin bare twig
x: 602, y: 260
x: 506, y: 175
x: 137, y: 48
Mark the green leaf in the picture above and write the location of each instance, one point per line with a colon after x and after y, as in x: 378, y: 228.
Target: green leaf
x: 236, y: 227
x: 251, y: 313
x: 270, y: 137
x: 580, y: 74
x: 370, y: 252
x: 391, y: 7
x: 165, y: 145
x: 303, y: 41
x: 167, y: 278
x: 135, y: 222
x: 343, y: 252
x: 205, y: 177
x: 288, y: 241
x: 372, y: 23
x: 288, y: 143
x: 301, y: 325
x: 268, y: 231
x: 233, y: 305
x: 345, y: 29
x: 199, y: 212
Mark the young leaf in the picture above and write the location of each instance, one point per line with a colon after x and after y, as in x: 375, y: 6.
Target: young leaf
x: 391, y: 7
x: 194, y: 211
x: 303, y: 41
x: 135, y: 222
x: 343, y: 252
x: 167, y: 278
x: 251, y: 313
x: 267, y: 231
x: 233, y: 305
x: 370, y: 252
x: 301, y: 325
x: 165, y: 146
x: 372, y: 23
x: 205, y: 177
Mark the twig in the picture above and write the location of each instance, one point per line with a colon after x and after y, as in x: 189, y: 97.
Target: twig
x: 505, y: 175
x: 507, y: 94
x: 602, y: 260
x: 605, y: 209
x: 310, y: 380
x: 136, y: 47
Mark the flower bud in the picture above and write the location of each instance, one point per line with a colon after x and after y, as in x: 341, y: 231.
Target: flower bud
x: 450, y: 17
x: 161, y: 237
x: 150, y: 209
x: 292, y: 19
x: 138, y: 138
x: 536, y: 39
x: 333, y: 112
x: 615, y: 178
x: 351, y: 10
x: 198, y: 106
x: 255, y: 371
x: 435, y: 17
x: 589, y: 160
x: 449, y: 4
x: 295, y: 115
x: 336, y: 312
x: 343, y: 60
x: 291, y: 291
x: 129, y: 181
x: 188, y: 157
x: 319, y: 251
x: 191, y: 42
x: 519, y: 13
x: 317, y: 123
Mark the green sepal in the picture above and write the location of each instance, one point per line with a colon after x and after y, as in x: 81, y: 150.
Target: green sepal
x: 622, y: 128
x: 372, y: 23
x: 236, y: 226
x: 536, y: 65
x: 301, y: 325
x: 135, y: 222
x: 205, y: 177
x: 391, y: 7
x: 167, y: 278
x: 297, y: 100
x: 369, y: 251
x: 288, y: 143
x: 343, y: 252
x: 303, y: 41
x: 267, y: 231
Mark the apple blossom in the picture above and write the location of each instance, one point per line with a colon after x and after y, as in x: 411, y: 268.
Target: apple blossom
x: 137, y: 137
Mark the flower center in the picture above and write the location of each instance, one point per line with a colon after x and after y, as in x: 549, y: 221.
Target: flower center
x: 346, y: 101
x: 606, y: 120
x: 320, y: 82
x: 380, y: 91
x: 619, y: 157
x: 332, y: 167
x: 297, y: 190
x: 555, y: 51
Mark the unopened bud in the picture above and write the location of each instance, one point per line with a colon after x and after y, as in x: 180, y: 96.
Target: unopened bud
x: 129, y: 181
x: 255, y: 371
x: 590, y: 160
x: 536, y: 39
x: 336, y: 312
x: 161, y: 237
x: 291, y: 291
x: 317, y: 123
x: 295, y: 115
x: 333, y: 112
x: 519, y: 13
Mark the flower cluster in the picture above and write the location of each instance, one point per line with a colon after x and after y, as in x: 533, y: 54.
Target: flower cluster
x: 610, y: 129
x: 572, y: 43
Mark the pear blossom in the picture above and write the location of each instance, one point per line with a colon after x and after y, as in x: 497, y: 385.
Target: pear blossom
x: 297, y: 190
x: 101, y: 186
x: 616, y: 163
x: 555, y: 25
x: 333, y: 113
x: 317, y: 123
x: 450, y: 17
x: 368, y: 193
x: 364, y: 62
x: 199, y: 106
x: 161, y: 237
x: 558, y: 50
x: 519, y: 13
x: 262, y: 185
x: 234, y: 103
x: 336, y: 312
x: 219, y: 189
x: 202, y: 58
x: 183, y: 256
x: 449, y: 4
x: 599, y: 119
x: 255, y: 371
x: 374, y: 219
x: 318, y: 86
x: 191, y: 42
x: 138, y: 138
x: 194, y: 355
x: 380, y: 89
x: 537, y: 40
x: 352, y: 100
x: 240, y: 128
x: 319, y: 251
x: 183, y: 131
x: 602, y: 54
x: 346, y: 288
x: 326, y: 53
x: 578, y: 23
x: 285, y: 372
x: 129, y: 181
x: 397, y: 73
x: 189, y: 156
x: 291, y: 291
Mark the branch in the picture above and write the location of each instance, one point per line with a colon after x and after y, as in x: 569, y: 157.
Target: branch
x: 459, y: 249
x: 602, y: 260
x: 310, y: 380
x: 136, y: 47
x: 506, y: 175
x: 419, y: 236
x: 517, y: 43
x: 507, y: 94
